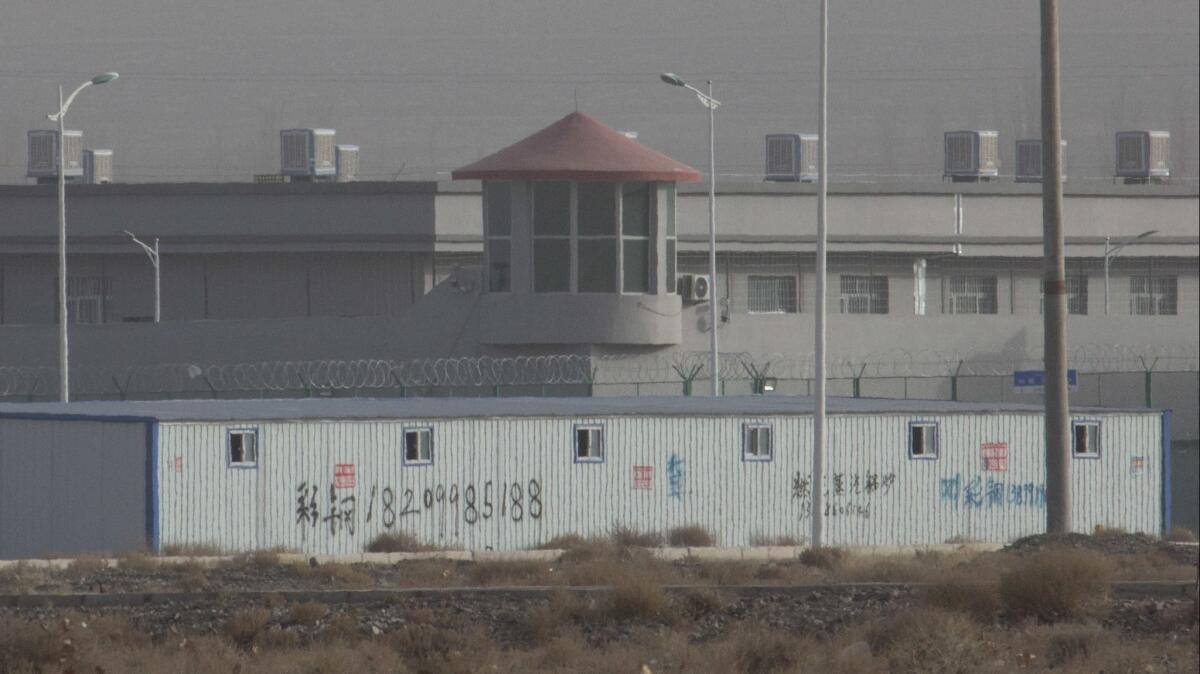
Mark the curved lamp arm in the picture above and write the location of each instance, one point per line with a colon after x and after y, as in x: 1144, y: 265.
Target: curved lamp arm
x: 102, y: 78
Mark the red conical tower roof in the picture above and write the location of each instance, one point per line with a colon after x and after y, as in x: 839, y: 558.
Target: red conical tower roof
x: 578, y: 147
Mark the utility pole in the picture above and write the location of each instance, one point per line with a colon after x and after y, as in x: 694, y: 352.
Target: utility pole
x: 1054, y: 281
x: 818, y: 449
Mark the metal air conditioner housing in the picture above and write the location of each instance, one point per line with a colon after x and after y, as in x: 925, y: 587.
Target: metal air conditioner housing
x: 695, y: 287
x: 971, y: 156
x: 1143, y: 154
x: 347, y: 163
x: 97, y: 167
x: 43, y: 153
x: 1029, y: 161
x: 791, y: 157
x: 307, y: 153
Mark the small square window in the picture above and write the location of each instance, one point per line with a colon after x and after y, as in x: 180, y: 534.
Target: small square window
x: 243, y: 448
x: 922, y: 440
x: 418, y: 446
x: 589, y: 444
x: 1085, y: 439
x: 757, y: 442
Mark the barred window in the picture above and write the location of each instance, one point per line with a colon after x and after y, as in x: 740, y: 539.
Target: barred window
x: 771, y: 294
x: 1077, y: 295
x: 971, y: 294
x: 1153, y: 295
x: 86, y: 296
x: 864, y: 294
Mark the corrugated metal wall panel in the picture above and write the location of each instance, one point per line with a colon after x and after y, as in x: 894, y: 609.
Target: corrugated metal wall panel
x: 513, y: 483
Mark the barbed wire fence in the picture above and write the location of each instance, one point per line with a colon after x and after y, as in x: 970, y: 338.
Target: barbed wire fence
x: 895, y: 373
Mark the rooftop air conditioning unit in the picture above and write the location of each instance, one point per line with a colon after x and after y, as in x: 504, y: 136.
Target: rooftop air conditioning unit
x: 792, y: 157
x: 971, y: 156
x: 1143, y: 155
x: 1029, y: 161
x: 43, y: 153
x: 97, y: 167
x: 347, y: 163
x: 307, y: 153
x: 695, y: 287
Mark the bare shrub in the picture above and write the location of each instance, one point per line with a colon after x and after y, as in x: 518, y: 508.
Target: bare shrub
x: 626, y: 536
x: 1056, y: 583
x: 245, y: 624
x: 401, y: 541
x: 424, y: 572
x: 691, y: 536
x: 562, y: 610
x: 823, y: 558
x: 1101, y: 531
x: 931, y: 640
x: 979, y: 600
x: 760, y: 540
x: 191, y: 550
x: 514, y: 572
x: 700, y: 602
x: 758, y: 649
x: 86, y: 565
x: 342, y: 628
x: 636, y: 595
x: 608, y: 565
x: 429, y: 648
x: 193, y: 577
x: 564, y: 542
x: 1179, y: 534
x: 726, y: 573
x: 307, y: 613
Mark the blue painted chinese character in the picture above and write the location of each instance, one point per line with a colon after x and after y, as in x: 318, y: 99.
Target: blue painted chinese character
x: 950, y: 489
x: 973, y: 494
x: 675, y: 475
x: 995, y: 494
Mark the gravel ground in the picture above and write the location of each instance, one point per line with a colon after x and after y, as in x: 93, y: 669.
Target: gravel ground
x: 1110, y: 544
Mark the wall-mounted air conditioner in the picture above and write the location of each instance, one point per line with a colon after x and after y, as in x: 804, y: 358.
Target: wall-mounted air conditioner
x: 307, y: 153
x: 971, y: 156
x: 97, y: 167
x: 1142, y: 155
x: 1029, y: 161
x: 43, y: 153
x: 695, y: 287
x: 791, y: 157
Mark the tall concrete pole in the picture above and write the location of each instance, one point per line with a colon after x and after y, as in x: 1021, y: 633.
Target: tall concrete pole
x: 712, y: 242
x: 1058, y: 435
x: 818, y: 450
x: 63, y: 318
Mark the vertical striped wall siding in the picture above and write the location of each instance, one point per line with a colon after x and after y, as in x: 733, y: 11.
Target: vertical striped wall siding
x: 874, y: 492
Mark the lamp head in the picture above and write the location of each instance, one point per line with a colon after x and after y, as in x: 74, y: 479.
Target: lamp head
x: 672, y: 79
x: 104, y: 78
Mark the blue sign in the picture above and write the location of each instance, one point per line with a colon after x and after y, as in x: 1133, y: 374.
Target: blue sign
x: 1034, y: 381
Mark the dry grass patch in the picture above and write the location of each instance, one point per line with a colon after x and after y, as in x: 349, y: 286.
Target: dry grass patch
x: 424, y: 573
x: 564, y: 542
x: 506, y: 572
x: 192, y: 550
x: 761, y: 541
x: 636, y: 596
x: 1101, y: 531
x: 307, y: 613
x: 339, y: 575
x: 1179, y: 534
x: 980, y: 600
x: 1057, y: 583
x: 828, y: 559
x: 697, y: 603
x: 138, y: 561
x: 691, y: 536
x: 86, y: 565
x: 562, y: 610
x: 628, y: 537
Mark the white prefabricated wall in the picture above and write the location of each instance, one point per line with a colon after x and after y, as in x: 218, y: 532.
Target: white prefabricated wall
x: 513, y: 483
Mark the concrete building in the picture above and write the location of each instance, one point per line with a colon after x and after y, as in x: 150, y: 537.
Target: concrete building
x: 327, y: 476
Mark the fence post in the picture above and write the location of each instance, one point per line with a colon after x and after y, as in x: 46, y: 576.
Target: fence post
x: 1148, y: 380
x: 858, y: 381
x: 954, y: 382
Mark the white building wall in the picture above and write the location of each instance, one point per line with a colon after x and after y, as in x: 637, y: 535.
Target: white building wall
x: 512, y: 483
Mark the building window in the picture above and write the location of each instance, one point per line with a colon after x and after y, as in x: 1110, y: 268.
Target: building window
x: 497, y: 219
x: 756, y: 442
x: 418, y: 446
x: 86, y: 298
x: 589, y: 444
x: 1077, y: 295
x: 635, y: 237
x: 596, y: 271
x: 552, y: 237
x: 771, y: 294
x: 922, y: 440
x: 971, y: 294
x: 242, y: 446
x: 1153, y: 295
x: 672, y: 237
x: 1085, y: 439
x: 864, y: 294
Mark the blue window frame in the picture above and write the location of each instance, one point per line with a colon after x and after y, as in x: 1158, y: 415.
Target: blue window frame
x: 758, y: 442
x: 588, y: 444
x: 418, y: 446
x: 924, y: 440
x: 1085, y: 438
x: 242, y: 448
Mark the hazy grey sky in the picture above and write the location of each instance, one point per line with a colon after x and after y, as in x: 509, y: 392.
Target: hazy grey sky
x: 424, y: 87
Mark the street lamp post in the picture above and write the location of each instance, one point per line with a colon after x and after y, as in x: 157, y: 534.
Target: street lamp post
x: 707, y: 100
x: 1111, y: 251
x: 63, y: 319
x: 152, y: 253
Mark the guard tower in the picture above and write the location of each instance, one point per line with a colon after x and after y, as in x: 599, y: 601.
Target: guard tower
x: 580, y: 238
